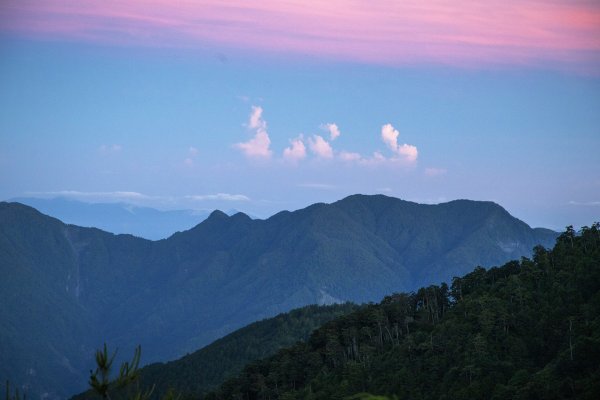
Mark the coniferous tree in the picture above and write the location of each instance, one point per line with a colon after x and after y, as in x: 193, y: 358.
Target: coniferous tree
x: 102, y: 384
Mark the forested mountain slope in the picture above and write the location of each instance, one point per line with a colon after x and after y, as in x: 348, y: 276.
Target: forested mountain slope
x: 527, y: 330
x: 205, y: 369
x: 68, y: 289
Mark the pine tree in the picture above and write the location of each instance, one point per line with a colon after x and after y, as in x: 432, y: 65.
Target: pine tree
x: 100, y: 380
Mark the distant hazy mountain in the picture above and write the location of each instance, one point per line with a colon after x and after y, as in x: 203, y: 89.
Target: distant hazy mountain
x: 148, y: 223
x: 67, y: 289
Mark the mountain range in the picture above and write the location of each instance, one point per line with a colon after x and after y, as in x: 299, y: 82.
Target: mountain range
x: 68, y: 289
x: 144, y: 222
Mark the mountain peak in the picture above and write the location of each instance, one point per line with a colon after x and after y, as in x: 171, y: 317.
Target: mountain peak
x: 241, y: 216
x: 217, y: 215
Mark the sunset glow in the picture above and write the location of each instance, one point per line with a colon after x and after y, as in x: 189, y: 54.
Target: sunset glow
x: 461, y: 33
x: 269, y: 105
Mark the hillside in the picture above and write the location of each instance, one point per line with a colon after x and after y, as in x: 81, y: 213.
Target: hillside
x: 68, y: 289
x: 526, y: 330
x: 197, y: 373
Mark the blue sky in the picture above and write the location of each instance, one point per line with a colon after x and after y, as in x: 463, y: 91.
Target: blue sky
x: 158, y: 126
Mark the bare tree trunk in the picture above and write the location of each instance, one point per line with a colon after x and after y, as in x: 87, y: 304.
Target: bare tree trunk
x: 571, y: 337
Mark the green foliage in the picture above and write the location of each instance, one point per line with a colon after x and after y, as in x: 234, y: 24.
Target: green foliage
x: 529, y: 329
x: 102, y: 384
x: 208, y: 367
x: 103, y: 369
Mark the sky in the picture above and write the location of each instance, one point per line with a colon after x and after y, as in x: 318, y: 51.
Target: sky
x: 274, y: 105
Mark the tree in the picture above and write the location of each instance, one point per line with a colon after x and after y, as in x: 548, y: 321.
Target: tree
x: 100, y: 380
x: 16, y: 396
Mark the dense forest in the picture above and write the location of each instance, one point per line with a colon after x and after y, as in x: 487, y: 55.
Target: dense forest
x: 529, y: 329
x: 205, y: 369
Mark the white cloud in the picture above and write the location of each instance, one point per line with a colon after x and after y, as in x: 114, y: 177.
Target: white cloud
x: 258, y: 146
x: 320, y: 147
x: 296, y: 151
x: 435, y: 171
x: 402, y: 154
x: 409, y: 152
x: 189, y: 162
x: 219, y: 196
x: 585, y: 203
x: 334, y: 131
x: 193, y: 151
x: 389, y: 135
x: 95, y: 196
x: 136, y: 197
x: 256, y: 120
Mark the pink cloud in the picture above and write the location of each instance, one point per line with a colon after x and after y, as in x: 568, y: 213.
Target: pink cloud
x: 462, y: 32
x: 409, y: 152
x: 258, y: 146
x: 256, y: 121
x: 320, y: 147
x: 334, y: 131
x: 389, y: 135
x: 296, y: 151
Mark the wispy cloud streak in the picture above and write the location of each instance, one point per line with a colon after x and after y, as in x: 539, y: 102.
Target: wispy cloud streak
x: 461, y: 32
x: 94, y: 196
x: 218, y: 196
x: 135, y: 197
